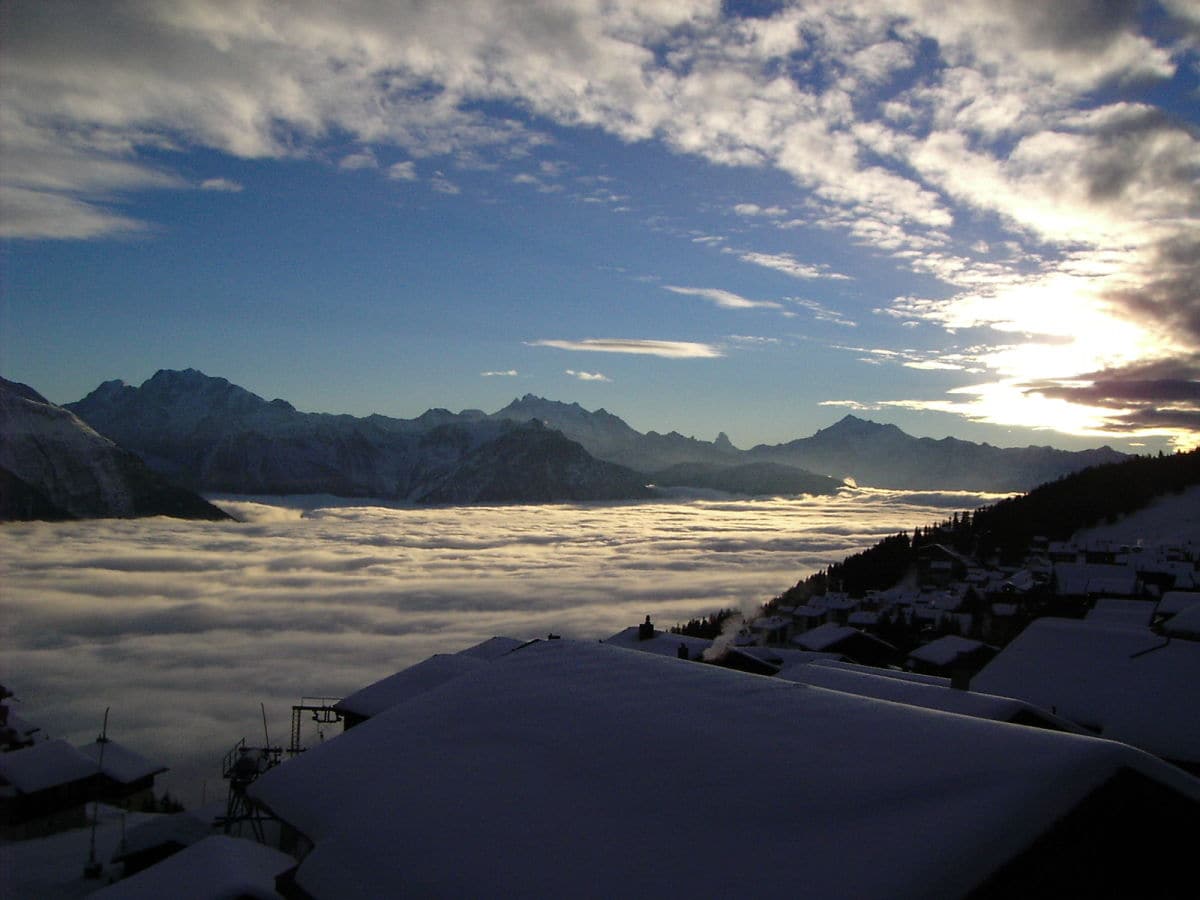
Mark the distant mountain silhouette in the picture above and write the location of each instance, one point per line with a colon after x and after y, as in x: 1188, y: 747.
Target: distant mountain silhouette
x: 215, y: 436
x: 884, y: 456
x: 53, y: 466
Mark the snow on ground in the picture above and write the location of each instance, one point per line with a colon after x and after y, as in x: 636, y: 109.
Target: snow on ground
x: 50, y: 868
x: 1173, y: 519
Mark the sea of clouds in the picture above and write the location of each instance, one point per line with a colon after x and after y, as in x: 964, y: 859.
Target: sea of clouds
x: 185, y: 628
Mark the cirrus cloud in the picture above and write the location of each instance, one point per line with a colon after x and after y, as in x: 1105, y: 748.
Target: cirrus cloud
x: 664, y: 349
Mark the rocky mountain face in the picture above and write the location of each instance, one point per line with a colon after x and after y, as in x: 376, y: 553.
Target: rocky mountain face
x: 884, y: 456
x: 217, y: 437
x: 53, y: 466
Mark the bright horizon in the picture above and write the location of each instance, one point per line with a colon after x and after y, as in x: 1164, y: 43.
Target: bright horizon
x: 750, y: 217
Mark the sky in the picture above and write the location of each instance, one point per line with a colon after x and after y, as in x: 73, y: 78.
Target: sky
x: 979, y: 219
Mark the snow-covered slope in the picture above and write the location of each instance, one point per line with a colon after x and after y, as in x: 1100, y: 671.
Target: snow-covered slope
x: 55, y: 466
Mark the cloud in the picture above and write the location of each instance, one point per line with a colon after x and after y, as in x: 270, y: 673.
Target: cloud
x: 753, y: 209
x: 587, y: 376
x: 752, y: 339
x: 402, y: 171
x: 507, y: 373
x: 185, y: 627
x: 363, y: 159
x: 851, y: 404
x: 664, y: 349
x: 724, y: 299
x: 823, y: 313
x: 44, y: 215
x: 443, y: 185
x: 789, y: 265
x: 221, y: 184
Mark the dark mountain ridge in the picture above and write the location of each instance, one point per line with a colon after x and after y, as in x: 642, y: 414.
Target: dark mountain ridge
x: 884, y: 456
x: 213, y: 435
x: 53, y: 466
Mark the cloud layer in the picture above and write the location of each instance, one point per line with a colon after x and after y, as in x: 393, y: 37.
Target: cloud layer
x: 184, y: 628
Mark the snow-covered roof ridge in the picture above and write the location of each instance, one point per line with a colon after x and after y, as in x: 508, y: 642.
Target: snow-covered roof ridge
x: 45, y: 765
x: 1127, y: 681
x: 573, y: 768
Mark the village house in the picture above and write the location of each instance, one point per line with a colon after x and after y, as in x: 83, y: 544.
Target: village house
x: 570, y: 768
x: 44, y: 789
x: 1121, y: 681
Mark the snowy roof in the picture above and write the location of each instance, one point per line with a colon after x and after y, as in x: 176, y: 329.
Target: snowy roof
x: 492, y: 647
x: 808, y: 611
x: 664, y: 643
x: 120, y: 763
x: 1119, y: 609
x: 945, y: 650
x: 1097, y: 674
x: 387, y: 692
x: 824, y: 636
x: 216, y: 868
x: 45, y: 765
x: 1094, y: 578
x: 1185, y: 624
x: 927, y: 696
x: 1176, y: 601
x: 863, y: 618
x: 182, y: 828
x: 886, y: 673
x: 572, y: 769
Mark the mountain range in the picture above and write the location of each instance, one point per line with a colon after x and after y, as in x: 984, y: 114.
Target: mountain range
x: 211, y: 435
x: 53, y: 466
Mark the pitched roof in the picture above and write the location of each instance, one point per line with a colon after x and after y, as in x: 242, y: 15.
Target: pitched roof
x: 569, y: 769
x: 45, y: 765
x: 945, y: 650
x: 927, y: 696
x: 215, y: 868
x: 120, y: 763
x: 1128, y: 682
x: 387, y: 692
x: 663, y: 642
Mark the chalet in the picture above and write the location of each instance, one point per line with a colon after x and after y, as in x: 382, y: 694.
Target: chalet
x: 950, y: 656
x: 771, y: 629
x: 126, y: 778
x: 44, y: 789
x: 1084, y: 580
x: 851, y: 643
x: 938, y: 565
x: 578, y: 769
x: 807, y: 617
x: 1124, y: 682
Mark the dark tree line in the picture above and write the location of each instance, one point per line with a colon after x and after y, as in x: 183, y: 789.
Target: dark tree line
x: 1003, y: 531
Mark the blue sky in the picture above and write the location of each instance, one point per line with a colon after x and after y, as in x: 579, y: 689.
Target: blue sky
x: 700, y: 216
